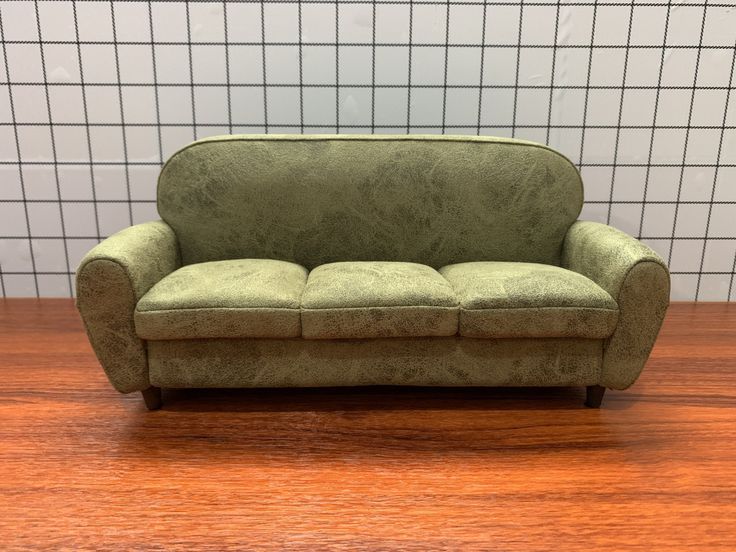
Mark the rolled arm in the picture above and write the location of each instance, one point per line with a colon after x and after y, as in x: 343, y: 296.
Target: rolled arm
x: 111, y: 279
x: 637, y: 278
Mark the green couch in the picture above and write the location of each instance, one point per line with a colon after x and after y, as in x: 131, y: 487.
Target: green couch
x: 303, y: 261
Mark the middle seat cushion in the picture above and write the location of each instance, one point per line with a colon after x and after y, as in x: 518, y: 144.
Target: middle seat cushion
x: 369, y: 299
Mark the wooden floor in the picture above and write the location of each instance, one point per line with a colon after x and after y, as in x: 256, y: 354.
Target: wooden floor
x: 82, y: 467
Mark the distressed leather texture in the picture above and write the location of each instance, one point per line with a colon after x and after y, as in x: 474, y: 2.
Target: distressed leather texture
x: 360, y: 260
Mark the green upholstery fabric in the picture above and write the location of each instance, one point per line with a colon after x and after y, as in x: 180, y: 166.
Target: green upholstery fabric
x: 312, y: 200
x: 377, y: 299
x: 439, y: 361
x: 111, y: 279
x: 529, y: 300
x: 241, y: 298
x: 637, y: 278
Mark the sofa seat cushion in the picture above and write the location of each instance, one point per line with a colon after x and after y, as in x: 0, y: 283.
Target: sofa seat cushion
x: 237, y: 298
x: 377, y: 299
x: 507, y: 299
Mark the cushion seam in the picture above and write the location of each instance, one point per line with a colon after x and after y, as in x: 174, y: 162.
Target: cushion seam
x: 394, y: 307
x: 540, y: 308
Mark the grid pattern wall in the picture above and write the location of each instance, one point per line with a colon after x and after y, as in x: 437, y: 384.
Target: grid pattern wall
x: 95, y: 95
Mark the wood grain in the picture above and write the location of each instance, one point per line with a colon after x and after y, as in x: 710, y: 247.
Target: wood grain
x: 84, y: 468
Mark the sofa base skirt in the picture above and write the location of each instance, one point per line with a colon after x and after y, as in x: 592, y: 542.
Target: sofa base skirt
x: 435, y: 361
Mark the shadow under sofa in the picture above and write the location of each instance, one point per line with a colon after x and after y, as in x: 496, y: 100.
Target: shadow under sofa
x: 308, y: 261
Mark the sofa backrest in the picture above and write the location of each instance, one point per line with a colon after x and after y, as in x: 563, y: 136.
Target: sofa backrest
x: 434, y: 200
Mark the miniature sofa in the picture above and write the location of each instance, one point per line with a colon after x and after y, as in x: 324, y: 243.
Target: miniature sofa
x: 308, y: 261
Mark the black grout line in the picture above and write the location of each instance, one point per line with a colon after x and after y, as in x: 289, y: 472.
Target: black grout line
x: 654, y: 116
x: 482, y: 62
x: 552, y: 72
x: 20, y: 160
x: 373, y: 69
x: 620, y: 113
x: 53, y: 143
x: 456, y: 2
x: 301, y: 70
x: 337, y: 67
x: 447, y: 51
x: 263, y: 61
x: 715, y: 176
x: 687, y: 138
x: 587, y: 83
x: 730, y: 284
x: 157, y: 100
x: 227, y: 63
x: 518, y: 65
x: 122, y: 113
x: 408, y: 87
x: 191, y: 69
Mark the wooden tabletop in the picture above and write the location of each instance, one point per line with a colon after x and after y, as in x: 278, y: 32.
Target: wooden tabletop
x: 84, y: 468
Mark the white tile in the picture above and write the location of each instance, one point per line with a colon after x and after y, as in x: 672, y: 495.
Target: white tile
x: 566, y: 141
x: 426, y: 106
x: 626, y: 217
x: 720, y: 26
x: 143, y: 181
x: 600, y: 145
x: 668, y: 145
x: 428, y: 24
x: 643, y: 67
x: 94, y: 21
x: 499, y: 65
x: 320, y: 105
x: 29, y: 103
x: 533, y: 134
x: 103, y: 104
x: 355, y: 22
x: 663, y: 183
x: 144, y: 212
x: 44, y: 219
x: 136, y: 64
x: 596, y: 180
x: 208, y: 64
x: 719, y: 255
x: 603, y: 107
x: 15, y: 255
x: 131, y: 22
x: 633, y: 145
x: 647, y: 25
x: 722, y: 219
x: 702, y: 146
x: 466, y: 24
x: 462, y: 107
x: 24, y: 63
x: 532, y: 106
x: 427, y: 65
x: 319, y: 65
x: 109, y: 182
x: 691, y: 220
x: 709, y: 107
x: 392, y: 23
x: 75, y: 182
x: 54, y: 285
x: 497, y: 106
x: 10, y: 187
x: 714, y: 67
x: 246, y: 64
x: 658, y: 220
x: 568, y: 107
x: 726, y: 184
x: 607, y: 68
x: 612, y: 25
x: 19, y: 285
x: 107, y: 143
x: 142, y: 143
x: 571, y: 66
x: 714, y: 287
x: 39, y: 182
x: 535, y: 66
x: 629, y: 184
x: 77, y: 249
x: 538, y: 25
x: 71, y: 144
x: 576, y: 25
x: 175, y: 138
x: 247, y: 105
x: 8, y: 149
x: 355, y: 64
x: 282, y: 64
x: 98, y: 63
x: 684, y: 25
x: 169, y: 21
x: 66, y: 104
x: 594, y: 212
x: 210, y: 105
x: 49, y: 253
x: 391, y: 106
x: 638, y: 108
x: 175, y: 104
x: 79, y: 219
x: 318, y: 23
x: 502, y: 24
x: 392, y: 65
x: 139, y: 104
x: 244, y: 22
x: 281, y: 22
x: 355, y: 106
x: 12, y: 219
x: 674, y: 107
x: 207, y: 21
x: 679, y: 66
x: 62, y: 63
x: 113, y: 217
x: 5, y: 111
x: 683, y: 287
x: 19, y: 21
x: 283, y: 105
x: 728, y: 150
x: 463, y: 66
x: 697, y: 183
x: 35, y: 143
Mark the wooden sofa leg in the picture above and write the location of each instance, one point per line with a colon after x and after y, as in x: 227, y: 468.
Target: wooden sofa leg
x: 152, y: 398
x: 594, y: 396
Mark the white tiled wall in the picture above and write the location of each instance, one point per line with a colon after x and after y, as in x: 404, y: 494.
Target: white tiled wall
x: 95, y: 95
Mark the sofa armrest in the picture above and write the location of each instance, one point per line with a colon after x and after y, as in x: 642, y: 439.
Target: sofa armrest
x: 637, y: 278
x: 111, y: 279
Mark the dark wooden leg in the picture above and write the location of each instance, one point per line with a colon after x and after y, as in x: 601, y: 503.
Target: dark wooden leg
x: 152, y: 398
x: 594, y: 396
